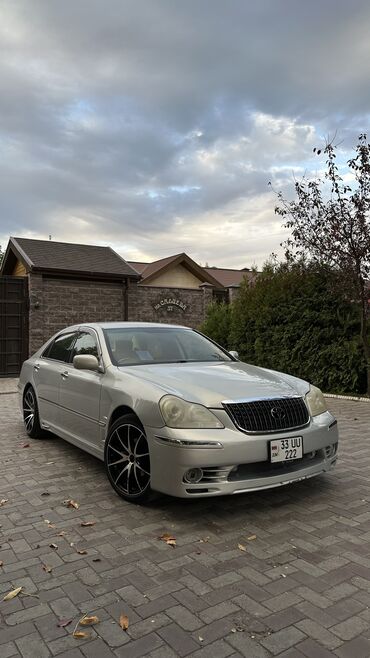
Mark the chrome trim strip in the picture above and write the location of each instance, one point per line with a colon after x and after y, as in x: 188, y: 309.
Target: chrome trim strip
x: 184, y: 443
x: 264, y: 397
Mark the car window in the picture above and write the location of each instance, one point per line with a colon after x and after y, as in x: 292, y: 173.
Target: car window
x: 85, y: 344
x: 60, y: 349
x: 136, y: 346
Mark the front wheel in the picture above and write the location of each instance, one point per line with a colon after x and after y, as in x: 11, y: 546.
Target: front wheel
x: 31, y: 416
x: 127, y: 459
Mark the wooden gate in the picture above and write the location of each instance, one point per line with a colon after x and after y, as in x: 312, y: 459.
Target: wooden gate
x: 13, y: 324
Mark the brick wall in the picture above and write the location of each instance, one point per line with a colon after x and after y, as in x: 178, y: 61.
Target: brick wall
x: 57, y: 303
x: 142, y: 300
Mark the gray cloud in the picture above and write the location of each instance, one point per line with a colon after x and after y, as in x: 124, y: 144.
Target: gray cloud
x: 155, y: 126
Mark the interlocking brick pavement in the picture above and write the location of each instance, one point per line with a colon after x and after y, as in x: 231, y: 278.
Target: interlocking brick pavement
x: 301, y: 589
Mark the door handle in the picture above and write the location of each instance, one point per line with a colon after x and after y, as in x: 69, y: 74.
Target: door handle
x: 64, y: 374
x: 36, y: 367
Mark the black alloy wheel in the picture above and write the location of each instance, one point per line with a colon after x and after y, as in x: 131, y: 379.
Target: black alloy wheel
x: 31, y: 417
x: 127, y: 459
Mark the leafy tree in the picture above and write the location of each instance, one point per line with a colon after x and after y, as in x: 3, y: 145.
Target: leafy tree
x: 1, y: 255
x: 330, y: 225
x: 217, y: 323
x: 295, y: 318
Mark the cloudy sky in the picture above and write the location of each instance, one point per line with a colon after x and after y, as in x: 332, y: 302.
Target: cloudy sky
x: 155, y: 125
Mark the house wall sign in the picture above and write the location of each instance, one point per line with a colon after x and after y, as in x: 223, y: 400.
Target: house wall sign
x: 170, y: 304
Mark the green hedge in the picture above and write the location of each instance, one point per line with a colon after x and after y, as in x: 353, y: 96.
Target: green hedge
x: 296, y: 319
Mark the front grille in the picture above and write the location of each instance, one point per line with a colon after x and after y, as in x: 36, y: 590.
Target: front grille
x: 268, y: 415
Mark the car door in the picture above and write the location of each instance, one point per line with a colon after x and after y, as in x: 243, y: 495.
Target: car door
x: 47, y: 377
x: 79, y: 396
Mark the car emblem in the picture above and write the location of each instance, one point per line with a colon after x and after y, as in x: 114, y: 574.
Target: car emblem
x: 277, y: 413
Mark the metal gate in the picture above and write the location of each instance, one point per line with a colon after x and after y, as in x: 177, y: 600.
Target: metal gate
x: 13, y: 324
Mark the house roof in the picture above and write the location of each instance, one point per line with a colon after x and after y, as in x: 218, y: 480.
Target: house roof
x: 148, y: 271
x: 65, y: 258
x: 222, y: 277
x: 230, y: 277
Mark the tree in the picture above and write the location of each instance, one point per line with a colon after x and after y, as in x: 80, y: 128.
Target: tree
x: 295, y: 318
x: 217, y: 323
x: 1, y: 255
x: 330, y: 225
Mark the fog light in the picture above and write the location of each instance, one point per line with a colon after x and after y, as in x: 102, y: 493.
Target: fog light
x: 193, y: 475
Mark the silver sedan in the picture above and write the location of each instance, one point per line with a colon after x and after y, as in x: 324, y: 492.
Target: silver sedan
x: 169, y: 410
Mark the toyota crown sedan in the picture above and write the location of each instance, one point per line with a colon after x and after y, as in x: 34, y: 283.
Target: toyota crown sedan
x: 169, y: 410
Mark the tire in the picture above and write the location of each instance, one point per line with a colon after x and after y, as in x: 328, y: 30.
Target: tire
x: 127, y: 459
x: 31, y: 418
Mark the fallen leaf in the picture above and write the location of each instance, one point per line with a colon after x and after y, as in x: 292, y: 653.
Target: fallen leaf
x: 3, y: 501
x: 49, y: 523
x: 80, y: 635
x: 25, y: 445
x: 242, y: 548
x: 169, y: 539
x: 87, y: 524
x: 12, y: 594
x: 252, y: 537
x: 64, y: 622
x: 96, y: 559
x: 71, y: 503
x: 47, y: 568
x: 87, y: 621
x: 123, y: 622
x: 204, y: 541
x: 200, y: 639
x: 82, y: 552
x: 61, y: 534
x: 45, y: 493
x: 54, y: 546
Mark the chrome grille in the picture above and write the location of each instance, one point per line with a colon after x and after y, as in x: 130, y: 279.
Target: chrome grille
x: 268, y: 415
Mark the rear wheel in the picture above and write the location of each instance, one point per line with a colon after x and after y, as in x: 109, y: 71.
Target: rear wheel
x: 31, y: 417
x: 127, y: 459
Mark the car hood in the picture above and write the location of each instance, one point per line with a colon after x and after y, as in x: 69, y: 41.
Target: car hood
x: 212, y: 383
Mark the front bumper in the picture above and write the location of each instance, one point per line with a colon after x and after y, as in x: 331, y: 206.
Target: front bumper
x: 236, y: 462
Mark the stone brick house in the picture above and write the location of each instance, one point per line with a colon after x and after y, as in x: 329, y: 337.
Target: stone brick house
x: 66, y: 284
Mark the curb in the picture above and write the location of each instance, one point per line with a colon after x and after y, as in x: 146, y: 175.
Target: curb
x: 346, y: 397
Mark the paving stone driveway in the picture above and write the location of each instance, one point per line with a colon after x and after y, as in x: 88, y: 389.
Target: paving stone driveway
x: 301, y: 588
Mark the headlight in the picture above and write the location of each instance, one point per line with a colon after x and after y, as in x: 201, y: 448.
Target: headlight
x: 315, y: 401
x: 187, y: 415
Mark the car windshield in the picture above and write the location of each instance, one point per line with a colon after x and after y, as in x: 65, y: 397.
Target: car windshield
x: 139, y: 345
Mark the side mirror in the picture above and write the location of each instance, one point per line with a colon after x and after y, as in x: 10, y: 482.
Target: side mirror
x: 234, y: 354
x: 86, y: 362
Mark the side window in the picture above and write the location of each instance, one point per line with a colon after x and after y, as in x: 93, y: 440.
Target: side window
x: 85, y: 344
x: 60, y: 349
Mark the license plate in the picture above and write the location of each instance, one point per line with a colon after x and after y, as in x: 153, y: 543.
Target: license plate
x: 285, y: 450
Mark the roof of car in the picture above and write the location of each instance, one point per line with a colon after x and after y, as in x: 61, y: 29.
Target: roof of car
x: 132, y: 325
